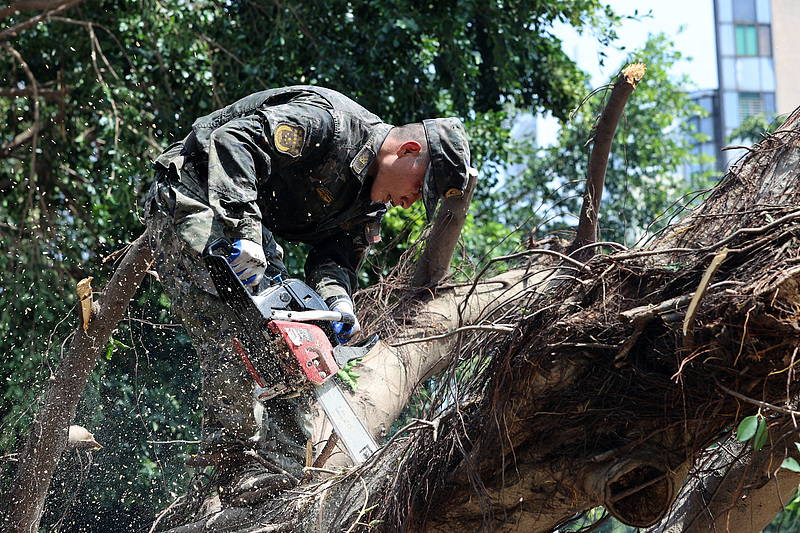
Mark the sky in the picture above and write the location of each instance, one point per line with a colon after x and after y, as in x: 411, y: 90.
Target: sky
x: 690, y: 23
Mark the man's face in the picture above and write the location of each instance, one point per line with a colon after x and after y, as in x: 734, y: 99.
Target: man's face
x: 400, y: 183
x: 398, y: 189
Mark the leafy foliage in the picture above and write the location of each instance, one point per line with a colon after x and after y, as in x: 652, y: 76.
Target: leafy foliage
x: 755, y: 127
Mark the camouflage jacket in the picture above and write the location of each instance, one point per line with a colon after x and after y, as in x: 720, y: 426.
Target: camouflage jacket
x: 294, y: 159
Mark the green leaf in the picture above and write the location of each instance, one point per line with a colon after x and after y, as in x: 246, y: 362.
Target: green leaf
x: 790, y: 463
x: 110, y: 348
x: 747, y: 428
x: 119, y: 344
x: 761, y: 434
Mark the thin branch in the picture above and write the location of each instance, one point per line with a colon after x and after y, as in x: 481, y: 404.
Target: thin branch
x: 759, y: 403
x: 492, y: 329
x: 11, y: 32
x: 55, y: 94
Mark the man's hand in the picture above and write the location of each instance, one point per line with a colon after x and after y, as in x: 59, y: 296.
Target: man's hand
x: 349, y: 325
x: 248, y: 261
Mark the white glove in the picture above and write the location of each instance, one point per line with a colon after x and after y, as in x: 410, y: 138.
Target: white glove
x: 349, y: 326
x: 248, y: 261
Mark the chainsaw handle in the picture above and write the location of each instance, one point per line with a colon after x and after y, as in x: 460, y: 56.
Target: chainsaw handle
x: 310, y: 316
x: 220, y: 248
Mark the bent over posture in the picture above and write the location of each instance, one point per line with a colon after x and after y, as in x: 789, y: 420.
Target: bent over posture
x: 305, y: 164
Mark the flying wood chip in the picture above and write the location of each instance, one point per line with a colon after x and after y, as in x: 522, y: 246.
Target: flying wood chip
x: 85, y: 297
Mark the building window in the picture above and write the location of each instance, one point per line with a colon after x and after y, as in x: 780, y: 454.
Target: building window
x: 764, y: 40
x: 744, y: 10
x: 746, y: 41
x: 750, y: 104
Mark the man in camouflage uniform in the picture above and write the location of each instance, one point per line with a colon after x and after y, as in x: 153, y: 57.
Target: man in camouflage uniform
x: 306, y: 164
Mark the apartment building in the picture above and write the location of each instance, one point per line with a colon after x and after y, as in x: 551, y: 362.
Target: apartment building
x: 757, y: 42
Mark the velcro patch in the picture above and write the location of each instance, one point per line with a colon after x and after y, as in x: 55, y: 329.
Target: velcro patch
x: 362, y: 159
x: 325, y: 194
x: 289, y: 139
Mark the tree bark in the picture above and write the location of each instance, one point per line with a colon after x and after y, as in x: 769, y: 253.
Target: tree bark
x: 434, y: 263
x: 734, y: 488
x: 48, y: 438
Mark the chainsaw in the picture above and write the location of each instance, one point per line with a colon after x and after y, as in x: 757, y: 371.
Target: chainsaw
x: 287, y: 344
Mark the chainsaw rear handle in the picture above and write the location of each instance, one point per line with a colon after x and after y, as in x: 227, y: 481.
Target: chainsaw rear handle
x: 314, y: 315
x: 220, y: 248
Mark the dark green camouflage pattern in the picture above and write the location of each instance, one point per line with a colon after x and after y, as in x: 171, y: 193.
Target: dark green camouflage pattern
x: 295, y: 160
x: 231, y: 415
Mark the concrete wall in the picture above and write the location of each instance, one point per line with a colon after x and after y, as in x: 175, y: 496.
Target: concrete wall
x: 786, y: 51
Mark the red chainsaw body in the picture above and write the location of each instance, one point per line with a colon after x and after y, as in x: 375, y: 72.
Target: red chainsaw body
x: 311, y: 349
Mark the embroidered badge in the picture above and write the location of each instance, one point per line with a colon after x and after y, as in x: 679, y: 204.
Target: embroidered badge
x: 452, y: 192
x: 325, y: 194
x: 289, y: 139
x: 362, y: 159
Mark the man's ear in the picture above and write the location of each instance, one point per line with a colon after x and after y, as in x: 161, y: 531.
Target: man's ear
x: 409, y: 148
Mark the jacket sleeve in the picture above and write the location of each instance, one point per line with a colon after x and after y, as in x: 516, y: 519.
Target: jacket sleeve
x: 237, y: 159
x: 332, y: 265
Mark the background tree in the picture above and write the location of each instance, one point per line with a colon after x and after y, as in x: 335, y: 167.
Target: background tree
x: 755, y: 128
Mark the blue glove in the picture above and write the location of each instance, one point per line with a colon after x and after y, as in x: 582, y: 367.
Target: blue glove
x: 349, y: 326
x: 248, y: 261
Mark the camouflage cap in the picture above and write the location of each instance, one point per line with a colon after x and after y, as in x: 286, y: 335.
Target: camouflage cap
x: 448, y: 171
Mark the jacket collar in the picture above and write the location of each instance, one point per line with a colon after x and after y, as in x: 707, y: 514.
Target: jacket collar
x: 363, y: 160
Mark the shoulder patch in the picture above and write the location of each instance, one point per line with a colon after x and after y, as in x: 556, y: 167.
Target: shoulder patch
x: 289, y: 139
x: 362, y: 160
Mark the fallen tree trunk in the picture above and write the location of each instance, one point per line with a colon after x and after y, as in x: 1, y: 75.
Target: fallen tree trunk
x: 616, y: 379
